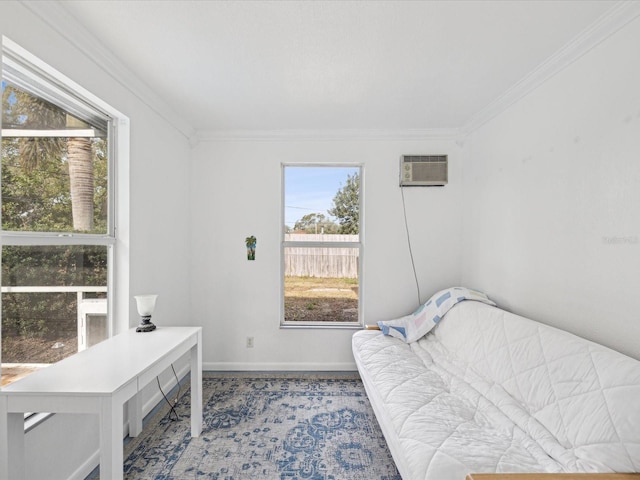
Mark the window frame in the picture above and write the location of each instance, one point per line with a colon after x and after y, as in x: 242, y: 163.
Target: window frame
x: 60, y: 90
x: 284, y: 244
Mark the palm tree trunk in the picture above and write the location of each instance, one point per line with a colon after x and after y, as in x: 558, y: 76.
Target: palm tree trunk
x: 80, y: 179
x: 81, y: 182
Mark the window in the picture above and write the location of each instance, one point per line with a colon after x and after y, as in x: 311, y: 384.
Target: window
x: 322, y: 245
x: 57, y: 224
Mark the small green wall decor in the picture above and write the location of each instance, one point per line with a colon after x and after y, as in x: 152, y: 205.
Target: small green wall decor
x: 251, y: 247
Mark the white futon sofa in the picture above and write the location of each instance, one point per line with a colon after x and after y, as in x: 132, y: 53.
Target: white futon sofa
x: 490, y: 391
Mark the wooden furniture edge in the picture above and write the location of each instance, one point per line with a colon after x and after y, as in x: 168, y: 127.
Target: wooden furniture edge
x: 553, y: 476
x: 372, y: 327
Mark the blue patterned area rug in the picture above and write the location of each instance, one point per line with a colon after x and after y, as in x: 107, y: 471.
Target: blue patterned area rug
x: 271, y: 426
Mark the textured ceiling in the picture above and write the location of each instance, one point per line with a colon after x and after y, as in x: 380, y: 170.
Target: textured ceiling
x: 329, y: 65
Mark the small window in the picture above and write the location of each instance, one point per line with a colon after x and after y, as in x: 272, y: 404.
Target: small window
x: 322, y: 245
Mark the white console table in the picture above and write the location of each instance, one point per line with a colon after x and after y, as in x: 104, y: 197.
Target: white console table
x: 100, y: 380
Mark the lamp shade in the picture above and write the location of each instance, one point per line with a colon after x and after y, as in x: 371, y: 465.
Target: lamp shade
x: 146, y: 304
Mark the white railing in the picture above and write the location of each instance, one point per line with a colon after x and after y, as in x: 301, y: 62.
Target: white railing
x: 87, y: 307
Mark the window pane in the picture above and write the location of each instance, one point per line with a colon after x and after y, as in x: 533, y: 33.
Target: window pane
x: 321, y: 244
x: 54, y: 168
x: 322, y: 201
x: 43, y: 288
x: 321, y: 285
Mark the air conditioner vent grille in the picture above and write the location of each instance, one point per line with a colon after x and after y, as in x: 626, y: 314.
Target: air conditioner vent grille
x: 425, y: 158
x: 423, y: 170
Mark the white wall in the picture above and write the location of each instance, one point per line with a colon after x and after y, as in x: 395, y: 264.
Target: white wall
x: 236, y: 192
x: 159, y: 225
x: 552, y: 218
x: 549, y: 199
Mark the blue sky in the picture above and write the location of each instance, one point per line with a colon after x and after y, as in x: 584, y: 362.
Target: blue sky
x: 311, y: 190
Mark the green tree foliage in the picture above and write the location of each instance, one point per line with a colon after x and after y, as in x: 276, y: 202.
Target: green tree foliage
x: 315, y: 223
x: 346, y: 206
x: 23, y: 111
x: 36, y: 198
x: 36, y: 183
x: 47, y: 314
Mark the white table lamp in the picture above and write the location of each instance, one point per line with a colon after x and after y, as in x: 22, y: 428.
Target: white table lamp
x: 146, y: 306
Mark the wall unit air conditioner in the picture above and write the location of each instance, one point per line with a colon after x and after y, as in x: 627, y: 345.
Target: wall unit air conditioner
x: 423, y: 170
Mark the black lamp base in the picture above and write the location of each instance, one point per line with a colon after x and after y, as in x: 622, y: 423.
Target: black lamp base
x: 146, y: 325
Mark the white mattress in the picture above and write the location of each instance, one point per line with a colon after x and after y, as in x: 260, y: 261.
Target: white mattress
x: 489, y: 391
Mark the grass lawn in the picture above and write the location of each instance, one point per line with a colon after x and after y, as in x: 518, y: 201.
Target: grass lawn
x: 311, y: 299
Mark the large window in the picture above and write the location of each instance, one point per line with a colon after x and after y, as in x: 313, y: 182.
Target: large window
x: 322, y: 245
x: 57, y: 220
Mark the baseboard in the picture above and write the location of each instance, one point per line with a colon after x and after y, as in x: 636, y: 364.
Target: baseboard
x: 87, y: 467
x: 280, y: 367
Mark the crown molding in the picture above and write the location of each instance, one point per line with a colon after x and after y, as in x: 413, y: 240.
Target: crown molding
x: 622, y: 13
x: 59, y: 19
x: 328, y: 135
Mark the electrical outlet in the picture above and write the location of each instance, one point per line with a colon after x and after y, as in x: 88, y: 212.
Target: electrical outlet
x: 249, y: 342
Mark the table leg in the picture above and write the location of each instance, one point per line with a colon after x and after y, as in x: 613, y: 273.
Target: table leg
x: 196, y: 387
x: 135, y: 415
x: 11, y: 443
x: 111, y: 447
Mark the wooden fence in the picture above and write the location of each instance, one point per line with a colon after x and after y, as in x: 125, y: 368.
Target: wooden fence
x: 323, y: 262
